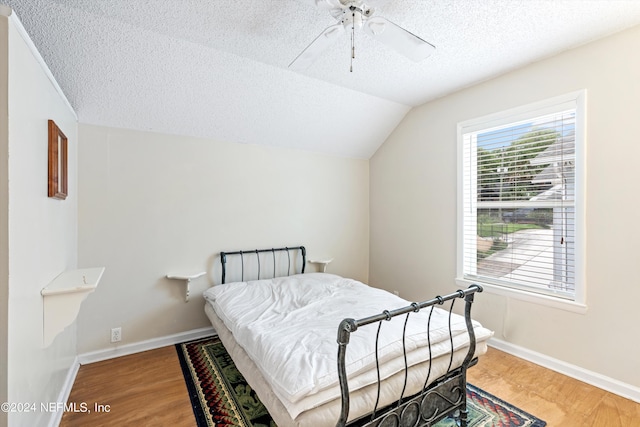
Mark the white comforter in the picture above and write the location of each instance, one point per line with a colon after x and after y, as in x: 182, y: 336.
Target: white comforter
x: 288, y: 327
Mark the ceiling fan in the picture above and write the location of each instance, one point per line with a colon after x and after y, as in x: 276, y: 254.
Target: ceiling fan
x: 352, y: 16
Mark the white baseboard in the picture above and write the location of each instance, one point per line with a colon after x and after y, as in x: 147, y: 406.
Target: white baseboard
x: 65, y: 391
x: 612, y: 385
x: 124, y: 350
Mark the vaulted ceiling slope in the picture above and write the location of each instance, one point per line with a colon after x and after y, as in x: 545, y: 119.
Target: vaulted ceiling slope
x: 219, y: 69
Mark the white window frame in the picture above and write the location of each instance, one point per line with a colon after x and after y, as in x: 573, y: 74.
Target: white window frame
x: 575, y: 100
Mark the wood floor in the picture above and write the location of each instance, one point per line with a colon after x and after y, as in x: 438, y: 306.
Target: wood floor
x: 147, y: 389
x: 555, y: 398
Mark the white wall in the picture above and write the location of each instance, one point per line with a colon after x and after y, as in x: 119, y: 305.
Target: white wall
x: 42, y: 231
x: 4, y: 210
x: 152, y: 204
x: 413, y: 206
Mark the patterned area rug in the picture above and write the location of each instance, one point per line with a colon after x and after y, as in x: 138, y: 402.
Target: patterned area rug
x: 221, y: 397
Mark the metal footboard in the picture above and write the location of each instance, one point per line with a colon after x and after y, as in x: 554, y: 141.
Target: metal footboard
x: 439, y: 398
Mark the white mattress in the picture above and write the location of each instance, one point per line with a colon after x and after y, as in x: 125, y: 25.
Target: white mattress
x: 286, y: 328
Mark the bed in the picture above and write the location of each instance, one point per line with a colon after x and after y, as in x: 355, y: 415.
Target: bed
x: 324, y: 350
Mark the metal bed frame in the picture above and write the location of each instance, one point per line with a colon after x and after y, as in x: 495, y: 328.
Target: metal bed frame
x: 257, y: 252
x: 442, y: 397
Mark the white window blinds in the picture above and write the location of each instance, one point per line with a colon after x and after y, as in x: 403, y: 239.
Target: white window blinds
x: 518, y: 202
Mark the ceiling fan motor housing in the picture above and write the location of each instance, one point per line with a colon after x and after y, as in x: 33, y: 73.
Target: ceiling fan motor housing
x: 353, y: 17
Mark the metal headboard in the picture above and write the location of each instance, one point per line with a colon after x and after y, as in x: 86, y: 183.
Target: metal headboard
x: 257, y: 252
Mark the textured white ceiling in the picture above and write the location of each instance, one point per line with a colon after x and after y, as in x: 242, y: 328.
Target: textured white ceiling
x: 218, y: 69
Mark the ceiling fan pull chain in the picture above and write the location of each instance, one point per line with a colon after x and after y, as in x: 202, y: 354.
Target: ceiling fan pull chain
x: 353, y: 43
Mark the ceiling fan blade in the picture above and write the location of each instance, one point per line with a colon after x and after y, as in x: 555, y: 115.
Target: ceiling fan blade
x: 313, y: 51
x: 376, y: 3
x: 329, y: 4
x: 408, y: 44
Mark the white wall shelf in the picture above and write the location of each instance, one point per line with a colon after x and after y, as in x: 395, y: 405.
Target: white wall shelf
x: 62, y: 299
x: 321, y: 262
x: 187, y: 278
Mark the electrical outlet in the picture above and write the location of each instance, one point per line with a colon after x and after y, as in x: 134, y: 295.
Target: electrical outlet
x: 396, y: 293
x: 116, y: 334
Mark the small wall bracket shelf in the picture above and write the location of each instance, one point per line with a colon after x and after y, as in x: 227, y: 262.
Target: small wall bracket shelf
x: 321, y: 262
x: 187, y: 278
x: 62, y: 299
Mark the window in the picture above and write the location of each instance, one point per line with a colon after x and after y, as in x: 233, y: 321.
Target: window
x: 520, y: 200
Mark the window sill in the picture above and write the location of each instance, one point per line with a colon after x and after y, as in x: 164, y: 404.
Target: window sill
x: 549, y: 301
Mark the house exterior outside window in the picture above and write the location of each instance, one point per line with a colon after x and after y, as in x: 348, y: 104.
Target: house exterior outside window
x: 520, y: 204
